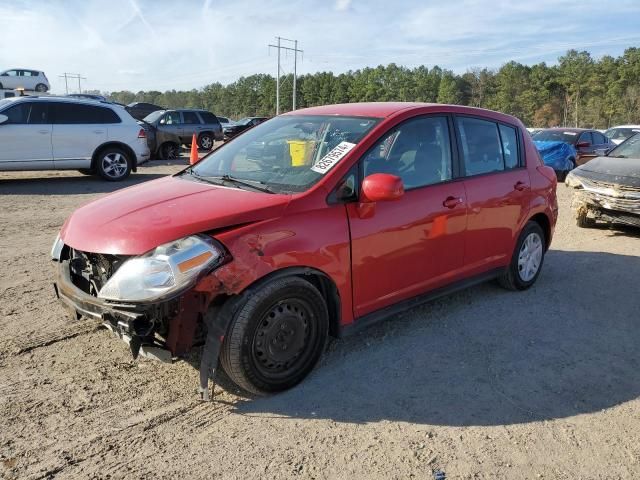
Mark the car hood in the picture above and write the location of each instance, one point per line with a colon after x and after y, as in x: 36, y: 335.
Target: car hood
x: 137, y: 219
x: 621, y: 171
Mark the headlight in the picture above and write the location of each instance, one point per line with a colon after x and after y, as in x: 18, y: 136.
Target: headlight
x: 166, y: 269
x: 56, y: 250
x: 573, y: 181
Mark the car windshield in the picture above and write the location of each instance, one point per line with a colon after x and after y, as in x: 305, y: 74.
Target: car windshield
x: 627, y: 149
x: 153, y: 116
x: 621, y: 133
x: 286, y: 154
x: 555, y: 136
x: 243, y: 121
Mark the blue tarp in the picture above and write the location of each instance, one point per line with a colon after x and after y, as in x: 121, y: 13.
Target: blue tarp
x: 558, y: 155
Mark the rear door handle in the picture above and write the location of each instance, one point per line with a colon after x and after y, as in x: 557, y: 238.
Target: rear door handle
x: 44, y: 132
x: 452, y: 202
x: 98, y: 131
x: 521, y: 186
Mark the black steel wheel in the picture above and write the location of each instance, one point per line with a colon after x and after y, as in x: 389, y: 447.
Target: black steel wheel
x: 276, y: 336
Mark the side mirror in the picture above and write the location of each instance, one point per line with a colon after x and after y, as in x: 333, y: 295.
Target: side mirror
x: 380, y: 187
x: 3, y: 118
x: 583, y: 144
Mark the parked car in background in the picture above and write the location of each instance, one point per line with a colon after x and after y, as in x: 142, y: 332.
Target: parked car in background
x: 24, y: 78
x: 139, y: 110
x: 565, y: 148
x: 62, y: 133
x: 242, y: 125
x: 351, y: 213
x: 620, y: 133
x: 607, y: 189
x: 173, y: 128
x: 225, y: 122
x: 88, y: 96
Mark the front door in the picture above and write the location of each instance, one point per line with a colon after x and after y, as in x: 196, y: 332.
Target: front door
x: 403, y: 248
x: 25, y: 138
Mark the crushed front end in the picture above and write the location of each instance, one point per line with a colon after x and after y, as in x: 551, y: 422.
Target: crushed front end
x: 605, y: 201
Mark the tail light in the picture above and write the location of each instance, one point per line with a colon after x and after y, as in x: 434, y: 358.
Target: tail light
x: 142, y: 133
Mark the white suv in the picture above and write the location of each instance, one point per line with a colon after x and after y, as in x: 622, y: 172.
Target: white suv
x: 59, y: 133
x: 24, y: 78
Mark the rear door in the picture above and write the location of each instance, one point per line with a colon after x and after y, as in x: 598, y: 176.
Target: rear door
x: 498, y: 189
x: 78, y: 130
x: 190, y: 124
x: 25, y: 139
x: 406, y: 247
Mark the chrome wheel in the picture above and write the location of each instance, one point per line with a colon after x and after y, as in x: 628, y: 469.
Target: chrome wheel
x: 114, y: 165
x: 206, y: 142
x: 530, y: 257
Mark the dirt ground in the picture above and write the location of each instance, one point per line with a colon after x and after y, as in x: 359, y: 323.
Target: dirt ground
x: 482, y: 384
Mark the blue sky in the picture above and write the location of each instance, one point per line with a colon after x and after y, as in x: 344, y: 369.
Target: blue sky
x: 157, y: 44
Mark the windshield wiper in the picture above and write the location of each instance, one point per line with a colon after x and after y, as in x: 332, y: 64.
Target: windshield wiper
x: 618, y: 156
x: 255, y: 184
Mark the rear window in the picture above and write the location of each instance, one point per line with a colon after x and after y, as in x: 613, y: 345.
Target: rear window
x: 190, y: 118
x: 75, y: 114
x: 209, y: 117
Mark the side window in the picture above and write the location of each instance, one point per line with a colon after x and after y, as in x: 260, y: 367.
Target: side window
x: 109, y: 116
x: 171, y: 118
x: 598, y: 138
x: 76, y: 114
x: 418, y: 151
x: 190, y: 118
x: 209, y: 117
x: 18, y: 114
x: 585, y: 137
x: 12, y: 73
x: 509, y: 139
x: 481, y: 149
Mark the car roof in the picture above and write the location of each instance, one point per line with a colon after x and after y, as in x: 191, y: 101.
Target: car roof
x: 387, y: 109
x: 54, y: 98
x: 624, y: 126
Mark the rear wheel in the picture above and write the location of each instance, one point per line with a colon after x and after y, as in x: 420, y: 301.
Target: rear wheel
x: 205, y: 141
x: 41, y: 87
x: 169, y: 151
x: 113, y: 164
x: 583, y: 221
x: 276, y: 336
x: 527, y: 259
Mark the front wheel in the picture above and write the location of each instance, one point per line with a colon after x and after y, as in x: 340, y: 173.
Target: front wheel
x: 527, y: 259
x: 584, y: 221
x: 276, y: 336
x: 169, y: 151
x: 113, y: 164
x: 41, y: 87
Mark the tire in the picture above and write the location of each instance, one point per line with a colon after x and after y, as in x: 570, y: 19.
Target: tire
x: 205, y: 141
x: 169, y: 151
x: 41, y: 87
x: 583, y: 221
x: 86, y: 171
x: 276, y: 336
x: 113, y: 164
x: 527, y: 259
x: 1, y: 87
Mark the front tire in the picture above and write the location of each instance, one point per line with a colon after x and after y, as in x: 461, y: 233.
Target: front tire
x: 205, y: 141
x: 113, y: 164
x: 276, y: 336
x: 527, y: 259
x: 169, y: 151
x: 583, y: 221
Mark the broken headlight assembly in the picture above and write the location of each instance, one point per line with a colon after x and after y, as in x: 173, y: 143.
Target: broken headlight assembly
x: 165, y: 270
x: 573, y: 181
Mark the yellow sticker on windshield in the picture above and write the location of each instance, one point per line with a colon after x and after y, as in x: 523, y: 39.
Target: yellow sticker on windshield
x: 334, y: 156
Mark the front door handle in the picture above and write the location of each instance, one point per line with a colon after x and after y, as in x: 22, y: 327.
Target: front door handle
x: 98, y: 131
x: 44, y: 132
x: 521, y: 186
x: 452, y: 202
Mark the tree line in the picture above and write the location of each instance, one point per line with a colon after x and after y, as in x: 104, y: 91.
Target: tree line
x: 578, y: 91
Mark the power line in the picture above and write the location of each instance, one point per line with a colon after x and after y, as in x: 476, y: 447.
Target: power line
x: 295, y: 65
x: 72, y: 76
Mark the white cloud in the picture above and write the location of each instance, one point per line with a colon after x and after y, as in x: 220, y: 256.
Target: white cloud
x: 342, y: 5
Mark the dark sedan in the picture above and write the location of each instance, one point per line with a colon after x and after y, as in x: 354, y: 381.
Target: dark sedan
x: 607, y: 188
x: 242, y: 125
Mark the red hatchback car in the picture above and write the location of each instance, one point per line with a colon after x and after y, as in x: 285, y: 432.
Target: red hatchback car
x: 308, y: 225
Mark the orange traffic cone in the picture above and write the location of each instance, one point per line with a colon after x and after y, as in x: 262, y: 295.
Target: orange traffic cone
x: 193, y: 159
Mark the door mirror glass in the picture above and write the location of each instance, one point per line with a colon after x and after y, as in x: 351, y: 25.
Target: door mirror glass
x: 380, y: 187
x: 3, y: 119
x: 583, y: 144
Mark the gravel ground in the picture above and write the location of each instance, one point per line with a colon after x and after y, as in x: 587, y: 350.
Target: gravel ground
x: 482, y: 384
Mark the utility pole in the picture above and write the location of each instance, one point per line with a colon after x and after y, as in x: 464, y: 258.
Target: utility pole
x: 295, y: 64
x: 72, y: 76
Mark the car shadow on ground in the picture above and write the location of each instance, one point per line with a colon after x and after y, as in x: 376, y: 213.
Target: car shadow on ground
x: 58, y: 183
x: 486, y: 356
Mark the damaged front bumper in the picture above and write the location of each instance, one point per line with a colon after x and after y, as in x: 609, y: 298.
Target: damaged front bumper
x: 609, y: 203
